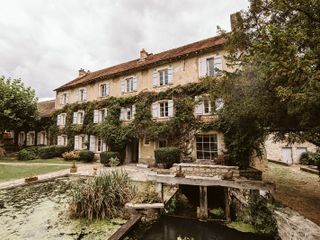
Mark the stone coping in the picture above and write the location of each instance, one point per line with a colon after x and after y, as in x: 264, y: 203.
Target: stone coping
x: 205, y: 166
x: 144, y: 205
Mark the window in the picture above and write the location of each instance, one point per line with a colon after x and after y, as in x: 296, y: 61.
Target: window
x: 162, y: 77
x: 62, y: 140
x: 21, y: 138
x: 64, y: 98
x: 99, y: 115
x: 82, y: 95
x: 104, y: 89
x: 127, y: 114
x: 163, y: 109
x: 80, y: 142
x: 146, y: 141
x: 97, y: 144
x: 162, y: 143
x: 206, y: 106
x: 42, y: 138
x: 61, y: 119
x: 31, y: 138
x: 207, y: 147
x: 210, y: 66
x: 129, y: 85
x: 78, y: 117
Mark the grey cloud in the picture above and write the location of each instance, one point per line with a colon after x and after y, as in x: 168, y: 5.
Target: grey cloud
x: 45, y: 42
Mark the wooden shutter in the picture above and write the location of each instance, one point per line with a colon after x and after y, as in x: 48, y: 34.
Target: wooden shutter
x: 135, y: 84
x: 104, y: 147
x: 198, y: 106
x: 170, y: 108
x: 155, y: 78
x: 76, y: 142
x: 59, y: 140
x: 96, y: 116
x: 67, y: 97
x: 133, y: 111
x: 108, y: 88
x: 170, y: 75
x: 219, y: 103
x: 123, y: 86
x: 202, y: 67
x: 45, y: 139
x: 217, y: 65
x: 154, y: 108
x: 75, y: 118
x: 122, y: 114
x: 78, y: 95
x: 85, y: 94
x: 58, y: 119
x: 92, y: 146
x: 38, y: 138
x: 61, y: 99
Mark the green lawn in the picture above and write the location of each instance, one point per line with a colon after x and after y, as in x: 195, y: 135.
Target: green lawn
x: 52, y: 160
x: 10, y: 172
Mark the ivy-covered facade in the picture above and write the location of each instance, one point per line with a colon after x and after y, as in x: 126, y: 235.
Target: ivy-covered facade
x: 157, y: 100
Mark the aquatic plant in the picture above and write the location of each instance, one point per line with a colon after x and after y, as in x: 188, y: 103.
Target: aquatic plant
x: 101, y: 197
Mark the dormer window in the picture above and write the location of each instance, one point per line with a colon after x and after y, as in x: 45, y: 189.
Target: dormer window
x: 104, y: 89
x: 162, y: 77
x: 82, y: 95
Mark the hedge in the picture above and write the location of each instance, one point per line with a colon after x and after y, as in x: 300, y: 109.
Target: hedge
x: 86, y: 155
x: 105, y: 157
x: 52, y: 151
x: 309, y: 158
x: 167, y: 155
x: 27, y: 154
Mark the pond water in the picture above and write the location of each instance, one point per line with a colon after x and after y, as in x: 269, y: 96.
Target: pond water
x: 172, y: 228
x: 40, y: 212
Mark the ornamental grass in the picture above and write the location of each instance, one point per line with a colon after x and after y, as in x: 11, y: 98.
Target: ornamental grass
x: 101, y: 197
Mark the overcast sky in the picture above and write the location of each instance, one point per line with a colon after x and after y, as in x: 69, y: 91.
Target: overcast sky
x: 45, y: 42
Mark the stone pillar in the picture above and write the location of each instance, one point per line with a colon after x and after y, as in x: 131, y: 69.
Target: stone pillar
x: 159, y: 190
x: 203, y: 211
x: 227, y: 202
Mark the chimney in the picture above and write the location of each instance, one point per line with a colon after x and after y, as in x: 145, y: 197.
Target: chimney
x: 143, y: 54
x: 82, y: 72
x: 234, y: 20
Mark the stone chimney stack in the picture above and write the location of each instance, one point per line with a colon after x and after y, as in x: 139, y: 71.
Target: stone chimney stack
x: 234, y: 20
x: 143, y: 54
x: 82, y: 72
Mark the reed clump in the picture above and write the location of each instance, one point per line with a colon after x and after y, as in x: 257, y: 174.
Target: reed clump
x: 101, y: 197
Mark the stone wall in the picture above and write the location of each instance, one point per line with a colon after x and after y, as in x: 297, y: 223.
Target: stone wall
x: 293, y: 226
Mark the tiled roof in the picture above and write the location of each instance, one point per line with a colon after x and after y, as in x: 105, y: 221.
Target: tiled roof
x: 151, y: 61
x: 46, y: 108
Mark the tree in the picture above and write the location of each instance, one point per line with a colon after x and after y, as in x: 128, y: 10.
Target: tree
x: 276, y: 48
x: 18, y: 105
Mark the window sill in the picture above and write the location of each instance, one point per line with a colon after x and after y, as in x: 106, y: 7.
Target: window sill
x: 163, y: 86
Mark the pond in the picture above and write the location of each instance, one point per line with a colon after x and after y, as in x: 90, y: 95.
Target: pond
x: 39, y: 211
x: 172, y: 228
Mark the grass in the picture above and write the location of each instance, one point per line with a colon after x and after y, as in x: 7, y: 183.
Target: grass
x: 51, y: 160
x: 11, y: 172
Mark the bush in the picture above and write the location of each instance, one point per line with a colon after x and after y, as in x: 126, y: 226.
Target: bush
x: 73, y: 155
x: 101, y: 197
x: 27, y: 154
x: 86, y: 155
x: 167, y: 155
x: 106, y: 156
x: 309, y: 158
x: 52, y: 151
x: 113, y: 162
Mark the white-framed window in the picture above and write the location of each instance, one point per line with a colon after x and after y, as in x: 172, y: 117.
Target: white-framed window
x: 21, y: 138
x: 96, y: 144
x: 61, y: 119
x: 162, y: 77
x: 82, y: 94
x: 78, y: 117
x: 62, y: 140
x: 42, y: 138
x: 203, y: 105
x: 80, y: 142
x: 210, y: 66
x: 31, y: 137
x: 162, y: 109
x: 146, y: 141
x: 64, y: 98
x: 127, y: 113
x: 104, y: 89
x: 99, y: 115
x: 207, y: 146
x: 129, y: 84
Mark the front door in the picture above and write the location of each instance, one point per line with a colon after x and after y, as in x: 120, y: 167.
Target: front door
x: 133, y: 151
x: 287, y: 155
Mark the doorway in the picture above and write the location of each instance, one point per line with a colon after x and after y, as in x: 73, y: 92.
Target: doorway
x: 287, y: 155
x: 133, y: 151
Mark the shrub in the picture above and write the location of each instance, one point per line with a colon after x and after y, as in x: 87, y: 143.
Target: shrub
x: 101, y: 197
x: 106, y: 156
x: 73, y: 155
x: 26, y: 154
x: 147, y: 194
x: 52, y: 151
x: 86, y: 155
x: 309, y: 158
x: 113, y: 162
x: 167, y: 155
